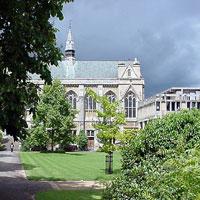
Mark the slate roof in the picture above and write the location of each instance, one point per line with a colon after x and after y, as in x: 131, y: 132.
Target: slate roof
x: 85, y: 70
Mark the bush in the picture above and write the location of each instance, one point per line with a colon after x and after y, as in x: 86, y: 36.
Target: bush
x: 162, y: 161
x: 82, y: 141
x: 71, y: 147
x: 36, y: 140
x: 25, y: 145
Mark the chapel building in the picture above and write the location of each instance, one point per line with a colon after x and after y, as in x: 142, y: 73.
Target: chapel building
x: 119, y: 80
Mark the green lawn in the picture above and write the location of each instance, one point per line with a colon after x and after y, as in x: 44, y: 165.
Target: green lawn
x: 70, y: 195
x: 69, y: 166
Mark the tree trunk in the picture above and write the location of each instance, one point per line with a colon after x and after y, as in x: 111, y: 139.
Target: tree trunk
x: 52, y: 140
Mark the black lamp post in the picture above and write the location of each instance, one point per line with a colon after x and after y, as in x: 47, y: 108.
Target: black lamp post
x: 109, y: 163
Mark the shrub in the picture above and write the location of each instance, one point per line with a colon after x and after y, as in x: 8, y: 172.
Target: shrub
x: 36, y: 140
x: 162, y: 161
x: 2, y: 147
x: 25, y: 145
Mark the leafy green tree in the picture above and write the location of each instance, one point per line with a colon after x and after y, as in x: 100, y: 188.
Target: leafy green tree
x: 37, y: 138
x: 110, y: 121
x: 54, y: 117
x: 27, y: 46
x: 162, y: 161
x: 82, y: 140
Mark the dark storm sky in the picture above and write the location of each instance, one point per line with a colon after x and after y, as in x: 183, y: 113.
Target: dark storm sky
x: 163, y: 34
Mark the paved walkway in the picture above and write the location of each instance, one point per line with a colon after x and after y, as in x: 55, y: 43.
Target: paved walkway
x: 15, y: 186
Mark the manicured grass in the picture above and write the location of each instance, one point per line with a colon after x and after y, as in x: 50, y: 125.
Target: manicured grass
x: 70, y: 195
x: 68, y: 166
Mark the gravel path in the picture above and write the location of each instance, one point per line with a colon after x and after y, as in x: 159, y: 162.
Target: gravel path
x: 13, y: 182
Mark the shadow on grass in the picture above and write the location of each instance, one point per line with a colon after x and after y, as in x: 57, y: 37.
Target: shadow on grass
x: 53, y: 152
x: 115, y: 171
x: 43, y: 178
x: 70, y: 194
x: 107, y: 177
x: 62, y: 153
x: 28, y: 166
x: 75, y: 154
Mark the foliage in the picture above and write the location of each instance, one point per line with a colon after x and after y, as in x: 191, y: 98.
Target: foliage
x: 27, y: 46
x: 25, y: 145
x: 110, y: 120
x: 1, y: 136
x: 2, y: 147
x: 127, y: 136
x: 53, y: 112
x: 37, y: 139
x: 162, y: 161
x: 69, y: 166
x: 82, y: 140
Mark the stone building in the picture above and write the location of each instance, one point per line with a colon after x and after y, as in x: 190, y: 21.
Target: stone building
x: 121, y: 80
x: 170, y: 100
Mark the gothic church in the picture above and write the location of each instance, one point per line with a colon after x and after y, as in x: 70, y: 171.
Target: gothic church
x: 121, y: 80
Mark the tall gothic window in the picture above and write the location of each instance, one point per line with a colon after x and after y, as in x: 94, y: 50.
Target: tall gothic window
x: 111, y: 96
x: 71, y: 96
x: 90, y: 104
x: 130, y: 105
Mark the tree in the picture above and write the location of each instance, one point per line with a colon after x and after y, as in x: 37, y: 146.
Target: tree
x: 162, y: 161
x: 110, y: 121
x: 1, y: 139
x: 27, y: 46
x: 82, y: 140
x: 54, y: 117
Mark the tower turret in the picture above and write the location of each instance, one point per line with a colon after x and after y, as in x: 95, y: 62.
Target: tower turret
x: 69, y: 48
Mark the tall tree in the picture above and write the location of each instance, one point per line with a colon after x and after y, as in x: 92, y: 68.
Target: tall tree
x: 54, y: 115
x: 111, y: 118
x: 27, y: 46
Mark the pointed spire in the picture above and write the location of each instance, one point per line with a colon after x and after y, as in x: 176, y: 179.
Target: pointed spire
x: 70, y: 41
x: 69, y: 48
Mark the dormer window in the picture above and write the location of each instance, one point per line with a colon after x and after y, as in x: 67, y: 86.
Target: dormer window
x: 129, y: 72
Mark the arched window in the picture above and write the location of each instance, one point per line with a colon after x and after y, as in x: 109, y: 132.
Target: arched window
x: 90, y: 104
x: 71, y: 96
x: 130, y: 105
x: 111, y: 96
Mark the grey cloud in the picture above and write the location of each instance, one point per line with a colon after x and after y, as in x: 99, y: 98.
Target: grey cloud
x: 164, y: 34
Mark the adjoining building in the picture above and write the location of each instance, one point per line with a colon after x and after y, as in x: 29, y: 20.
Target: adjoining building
x: 170, y: 100
x: 119, y: 80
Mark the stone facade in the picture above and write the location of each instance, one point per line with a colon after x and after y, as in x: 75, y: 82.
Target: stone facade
x: 120, y: 80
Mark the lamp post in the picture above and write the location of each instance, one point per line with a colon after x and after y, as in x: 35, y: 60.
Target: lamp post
x: 109, y: 163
